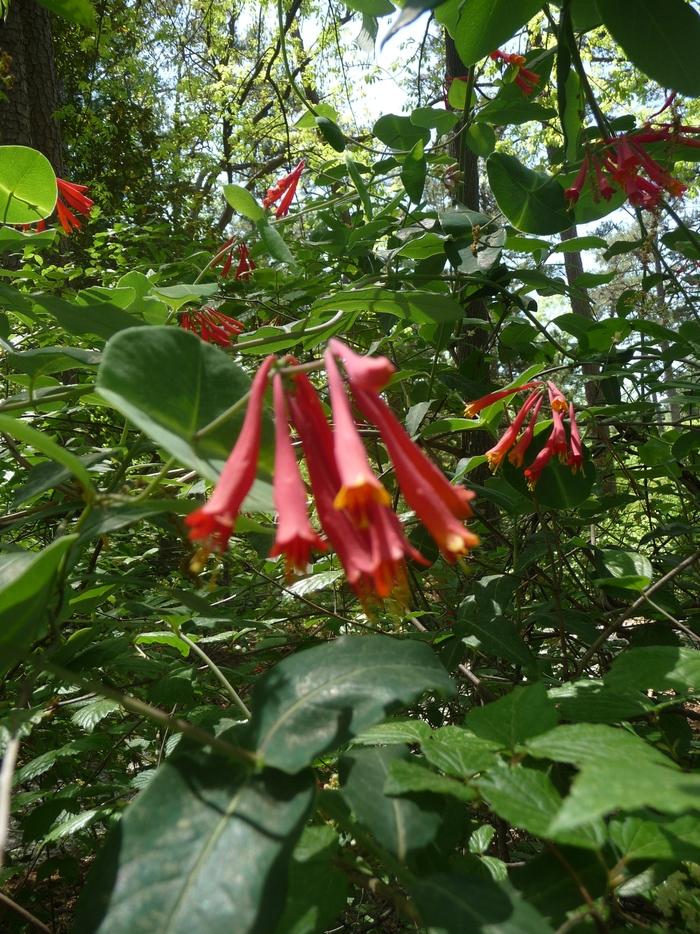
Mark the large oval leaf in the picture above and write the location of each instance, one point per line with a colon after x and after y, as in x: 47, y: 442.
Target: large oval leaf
x: 171, y: 384
x: 317, y: 700
x: 480, y: 26
x: 203, y: 848
x: 558, y: 487
x: 532, y: 202
x: 27, y: 185
x: 419, y: 307
x: 661, y: 39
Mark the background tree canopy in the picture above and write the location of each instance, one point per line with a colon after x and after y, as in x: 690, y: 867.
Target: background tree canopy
x: 350, y: 446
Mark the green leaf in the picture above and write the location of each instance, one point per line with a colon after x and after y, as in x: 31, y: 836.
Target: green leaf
x: 175, y: 296
x: 317, y: 890
x: 480, y: 138
x: 358, y: 182
x: 523, y: 713
x: 434, y: 118
x: 626, y: 569
x: 458, y: 752
x: 242, y: 201
x: 618, y: 770
x: 171, y: 384
x: 596, y: 702
x: 163, y: 638
x: 204, y: 847
x: 506, y: 112
x: 81, y: 12
x: 413, y: 172
x: 532, y: 202
x: 317, y: 700
x: 100, y: 318
x: 275, y: 245
x: 400, y: 825
x: 497, y: 634
x: 656, y: 668
x: 480, y: 26
x: 527, y: 799
x: 554, y: 890
x: 576, y: 244
x: 419, y: 307
x: 399, y: 133
x: 409, y: 777
x: 394, y: 732
x: 455, y: 904
x: 558, y: 487
x: 662, y: 40
x: 42, y: 442
x: 17, y: 239
x: 26, y: 586
x: 655, y: 837
x: 44, y: 360
x: 332, y: 133
x: 27, y: 185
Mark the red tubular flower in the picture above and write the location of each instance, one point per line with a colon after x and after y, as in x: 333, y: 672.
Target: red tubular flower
x: 359, y: 486
x: 364, y: 372
x: 517, y: 454
x: 212, y: 325
x: 224, y: 255
x: 295, y: 538
x: 213, y: 523
x: 532, y: 473
x: 437, y: 503
x: 524, y: 78
x: 389, y: 549
x: 351, y: 544
x: 472, y: 408
x: 73, y: 196
x: 557, y: 437
x: 575, y: 459
x: 495, y: 455
x: 285, y: 189
x: 556, y: 398
x: 245, y: 263
x: 573, y: 193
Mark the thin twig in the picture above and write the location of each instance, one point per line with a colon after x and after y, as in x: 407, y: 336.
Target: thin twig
x: 27, y: 915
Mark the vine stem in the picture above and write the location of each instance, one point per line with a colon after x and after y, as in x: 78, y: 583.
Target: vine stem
x: 233, y: 694
x: 27, y: 915
x: 144, y: 709
x: 609, y: 630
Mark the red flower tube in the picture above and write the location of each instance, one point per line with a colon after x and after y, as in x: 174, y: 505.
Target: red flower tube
x: 212, y: 325
x: 295, y: 538
x: 517, y: 454
x: 575, y: 459
x: 472, y: 408
x: 359, y: 486
x: 213, y: 523
x: 495, y: 455
x: 437, y: 503
x: 364, y: 372
x: 285, y: 189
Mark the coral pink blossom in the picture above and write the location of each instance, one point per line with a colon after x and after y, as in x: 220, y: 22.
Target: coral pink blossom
x: 526, y: 80
x: 212, y: 325
x: 73, y: 196
x: 472, y: 408
x: 213, y: 523
x: 437, y: 503
x: 371, y: 373
x: 245, y: 263
x: 295, y: 538
x: 359, y: 486
x: 285, y: 190
x: 517, y: 454
x: 556, y: 398
x: 532, y: 473
x: 495, y: 455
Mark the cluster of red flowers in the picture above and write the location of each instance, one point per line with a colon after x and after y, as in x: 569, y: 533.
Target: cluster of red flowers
x: 70, y: 195
x: 526, y: 79
x: 353, y: 506
x: 212, y: 325
x: 516, y: 440
x: 623, y: 159
x: 284, y: 189
x: 225, y: 255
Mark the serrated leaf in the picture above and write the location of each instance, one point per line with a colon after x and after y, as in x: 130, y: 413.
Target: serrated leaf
x: 523, y: 713
x: 658, y: 667
x: 317, y: 700
x: 393, y: 732
x: 458, y: 752
x: 409, y: 777
x: 88, y: 715
x: 400, y: 825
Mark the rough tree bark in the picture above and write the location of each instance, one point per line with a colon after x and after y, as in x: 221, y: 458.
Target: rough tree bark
x: 27, y: 117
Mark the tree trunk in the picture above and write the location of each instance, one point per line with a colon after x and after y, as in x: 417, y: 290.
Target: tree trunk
x: 471, y: 344
x: 27, y: 116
